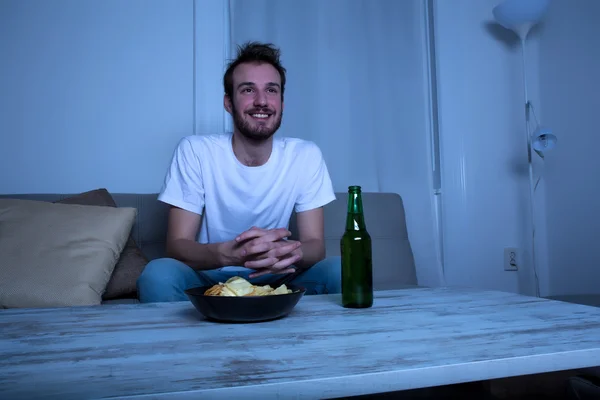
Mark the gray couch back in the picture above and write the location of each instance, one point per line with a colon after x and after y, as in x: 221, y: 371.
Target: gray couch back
x: 393, y: 262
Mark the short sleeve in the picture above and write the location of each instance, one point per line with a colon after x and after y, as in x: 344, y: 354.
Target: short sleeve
x: 183, y: 186
x: 316, y: 189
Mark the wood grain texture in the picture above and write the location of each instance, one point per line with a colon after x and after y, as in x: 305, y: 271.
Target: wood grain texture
x: 411, y: 338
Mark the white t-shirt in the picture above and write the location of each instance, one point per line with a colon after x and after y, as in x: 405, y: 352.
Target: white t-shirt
x: 206, y: 178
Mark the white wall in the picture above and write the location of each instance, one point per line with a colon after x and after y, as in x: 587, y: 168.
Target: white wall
x: 570, y: 87
x: 93, y: 93
x: 483, y: 148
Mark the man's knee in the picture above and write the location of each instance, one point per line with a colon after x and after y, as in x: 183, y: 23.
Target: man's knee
x: 161, y: 270
x: 164, y: 279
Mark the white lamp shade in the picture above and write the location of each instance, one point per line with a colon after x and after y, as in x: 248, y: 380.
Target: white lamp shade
x: 520, y: 15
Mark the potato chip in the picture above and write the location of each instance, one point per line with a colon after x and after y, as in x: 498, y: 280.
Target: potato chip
x: 239, y: 287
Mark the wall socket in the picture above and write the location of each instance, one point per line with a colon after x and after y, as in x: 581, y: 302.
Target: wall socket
x: 511, y: 259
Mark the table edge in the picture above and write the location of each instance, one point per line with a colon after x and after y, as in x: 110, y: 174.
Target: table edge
x: 399, y: 380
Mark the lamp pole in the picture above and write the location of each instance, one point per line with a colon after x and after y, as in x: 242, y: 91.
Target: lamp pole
x: 520, y: 16
x: 523, y: 37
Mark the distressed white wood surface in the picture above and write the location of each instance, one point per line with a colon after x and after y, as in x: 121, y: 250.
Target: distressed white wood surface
x: 410, y: 338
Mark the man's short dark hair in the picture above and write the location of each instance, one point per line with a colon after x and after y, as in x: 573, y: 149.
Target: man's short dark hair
x: 254, y: 52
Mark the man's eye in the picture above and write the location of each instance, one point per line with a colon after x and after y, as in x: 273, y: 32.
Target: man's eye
x: 247, y: 90
x: 272, y: 90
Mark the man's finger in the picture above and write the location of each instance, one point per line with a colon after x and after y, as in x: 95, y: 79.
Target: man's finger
x: 287, y: 271
x: 275, y: 235
x: 267, y: 271
x: 284, y: 249
x: 259, y: 273
x: 267, y: 235
x: 270, y: 249
x: 259, y: 248
x: 258, y: 264
x: 285, y: 263
x: 251, y: 233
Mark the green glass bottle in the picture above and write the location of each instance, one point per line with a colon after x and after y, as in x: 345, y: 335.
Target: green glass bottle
x: 357, y: 265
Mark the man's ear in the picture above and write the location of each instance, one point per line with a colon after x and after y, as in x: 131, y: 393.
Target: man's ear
x: 227, y: 103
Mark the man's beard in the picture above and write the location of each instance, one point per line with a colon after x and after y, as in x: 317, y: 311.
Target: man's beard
x: 258, y: 132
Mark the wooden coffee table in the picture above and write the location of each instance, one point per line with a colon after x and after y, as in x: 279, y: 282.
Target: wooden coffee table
x: 411, y: 338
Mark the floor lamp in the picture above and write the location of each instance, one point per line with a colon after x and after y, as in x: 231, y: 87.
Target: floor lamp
x: 520, y: 16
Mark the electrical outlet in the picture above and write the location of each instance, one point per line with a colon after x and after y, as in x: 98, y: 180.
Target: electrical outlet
x: 511, y: 259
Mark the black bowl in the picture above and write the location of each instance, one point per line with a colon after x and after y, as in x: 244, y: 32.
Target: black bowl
x: 245, y: 308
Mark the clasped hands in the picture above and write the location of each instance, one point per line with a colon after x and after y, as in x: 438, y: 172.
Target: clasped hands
x: 267, y: 251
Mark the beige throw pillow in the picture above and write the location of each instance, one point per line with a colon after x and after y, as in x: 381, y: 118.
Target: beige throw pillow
x: 54, y: 255
x: 123, y: 281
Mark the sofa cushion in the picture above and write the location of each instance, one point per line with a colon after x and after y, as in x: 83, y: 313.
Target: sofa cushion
x: 56, y: 255
x: 131, y: 263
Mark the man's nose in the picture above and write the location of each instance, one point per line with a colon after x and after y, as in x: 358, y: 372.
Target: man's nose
x: 260, y: 99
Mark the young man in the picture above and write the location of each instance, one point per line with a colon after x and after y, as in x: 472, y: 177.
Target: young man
x: 232, y: 196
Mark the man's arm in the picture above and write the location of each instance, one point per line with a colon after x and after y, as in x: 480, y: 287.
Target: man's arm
x: 182, y: 229
x: 311, y: 234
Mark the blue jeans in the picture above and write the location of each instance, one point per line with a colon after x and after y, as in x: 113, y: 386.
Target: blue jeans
x: 166, y: 279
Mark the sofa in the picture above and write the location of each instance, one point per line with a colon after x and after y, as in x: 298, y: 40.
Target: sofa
x: 393, y: 262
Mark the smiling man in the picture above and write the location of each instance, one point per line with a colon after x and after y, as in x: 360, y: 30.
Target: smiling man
x: 232, y: 195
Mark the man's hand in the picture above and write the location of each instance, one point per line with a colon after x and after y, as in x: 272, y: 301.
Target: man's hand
x: 277, y: 261
x: 266, y: 251
x: 249, y: 244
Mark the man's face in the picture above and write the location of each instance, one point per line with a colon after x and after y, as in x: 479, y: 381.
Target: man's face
x: 256, y: 105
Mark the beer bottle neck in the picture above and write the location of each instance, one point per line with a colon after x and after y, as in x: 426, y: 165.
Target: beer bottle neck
x: 355, y: 220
